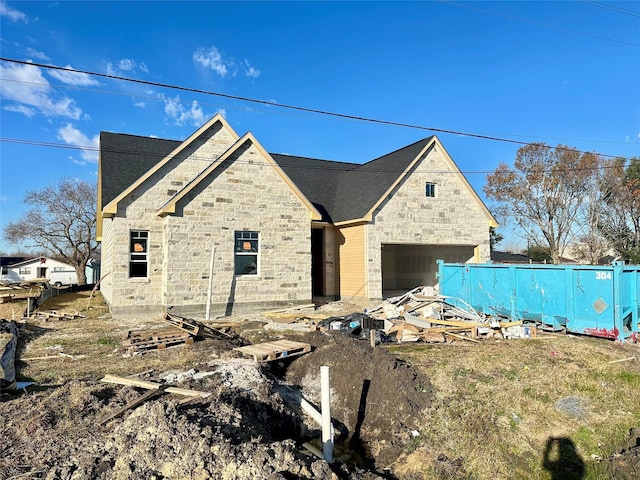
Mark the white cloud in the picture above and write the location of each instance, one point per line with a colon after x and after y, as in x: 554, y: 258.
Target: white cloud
x: 223, y: 65
x: 139, y: 104
x: 11, y: 13
x: 212, y: 58
x: 181, y: 114
x: 26, y: 111
x: 130, y: 65
x: 250, y: 71
x: 29, y: 89
x: 126, y: 65
x: 73, y: 78
x: 33, y: 53
x: 89, y: 146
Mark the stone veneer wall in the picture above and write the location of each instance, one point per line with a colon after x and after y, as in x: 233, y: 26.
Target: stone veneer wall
x: 138, y: 211
x: 453, y: 217
x: 244, y: 193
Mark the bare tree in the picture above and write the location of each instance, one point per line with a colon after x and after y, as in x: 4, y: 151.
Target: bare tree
x: 591, y: 245
x: 543, y: 193
x: 620, y: 221
x: 61, y: 220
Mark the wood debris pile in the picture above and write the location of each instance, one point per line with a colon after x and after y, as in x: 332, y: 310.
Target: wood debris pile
x: 183, y: 331
x: 417, y: 315
x: 8, y: 347
x: 420, y: 315
x: 55, y: 315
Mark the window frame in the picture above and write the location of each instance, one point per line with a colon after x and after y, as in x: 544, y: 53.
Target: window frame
x: 24, y: 270
x: 250, y: 240
x: 137, y: 258
x: 430, y: 188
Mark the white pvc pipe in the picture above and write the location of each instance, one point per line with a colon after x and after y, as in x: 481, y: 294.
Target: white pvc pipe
x: 327, y: 434
x: 207, y: 315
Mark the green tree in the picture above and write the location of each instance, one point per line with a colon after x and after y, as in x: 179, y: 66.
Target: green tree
x: 60, y: 220
x: 494, y: 238
x: 543, y: 193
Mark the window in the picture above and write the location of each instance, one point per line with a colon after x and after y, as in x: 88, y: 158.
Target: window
x: 58, y: 269
x: 138, y: 254
x: 246, y: 253
x: 24, y: 271
x: 430, y: 189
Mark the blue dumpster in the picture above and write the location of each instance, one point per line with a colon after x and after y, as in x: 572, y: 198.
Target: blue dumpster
x: 602, y: 301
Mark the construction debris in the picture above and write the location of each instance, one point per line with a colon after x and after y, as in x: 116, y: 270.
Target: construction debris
x: 8, y: 346
x: 8, y: 297
x: 193, y: 327
x: 137, y: 341
x: 153, y: 390
x: 183, y: 331
x: 54, y: 315
x: 270, y: 351
x: 419, y: 315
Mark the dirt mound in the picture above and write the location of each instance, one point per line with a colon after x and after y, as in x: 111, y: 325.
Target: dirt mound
x: 378, y: 399
x: 244, y: 430
x: 626, y: 463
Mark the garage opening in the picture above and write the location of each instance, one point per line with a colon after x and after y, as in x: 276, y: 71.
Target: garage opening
x: 405, y: 267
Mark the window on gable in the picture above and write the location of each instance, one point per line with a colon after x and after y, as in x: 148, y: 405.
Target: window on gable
x: 246, y: 251
x: 138, y: 254
x: 430, y: 189
x: 24, y: 271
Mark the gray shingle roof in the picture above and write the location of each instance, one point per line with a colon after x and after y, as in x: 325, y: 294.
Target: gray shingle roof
x: 125, y: 158
x: 340, y: 191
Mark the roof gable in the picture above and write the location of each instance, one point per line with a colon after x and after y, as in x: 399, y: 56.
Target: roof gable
x: 38, y: 260
x: 335, y: 192
x: 143, y: 158
x: 170, y: 206
x: 348, y: 191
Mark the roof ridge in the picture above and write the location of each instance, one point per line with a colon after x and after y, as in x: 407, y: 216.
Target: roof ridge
x: 424, y: 140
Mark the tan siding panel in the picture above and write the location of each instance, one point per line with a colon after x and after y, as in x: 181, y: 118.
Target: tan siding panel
x: 351, y: 245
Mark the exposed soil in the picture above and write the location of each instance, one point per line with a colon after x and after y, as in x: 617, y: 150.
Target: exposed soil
x: 626, y: 463
x: 378, y: 399
x: 251, y: 427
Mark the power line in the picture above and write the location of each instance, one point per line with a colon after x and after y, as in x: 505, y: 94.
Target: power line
x: 533, y: 22
x: 324, y: 166
x: 157, y: 98
x: 281, y: 105
x: 613, y: 8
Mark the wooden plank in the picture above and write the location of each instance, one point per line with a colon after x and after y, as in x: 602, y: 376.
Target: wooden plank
x: 134, y: 403
x: 188, y: 325
x: 462, y: 337
x: 270, y: 351
x: 289, y: 309
x: 134, y: 382
x: 456, y: 323
x: 186, y: 392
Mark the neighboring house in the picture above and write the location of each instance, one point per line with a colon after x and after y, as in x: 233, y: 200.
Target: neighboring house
x: 508, y: 257
x: 274, y: 229
x: 6, y: 275
x: 38, y: 268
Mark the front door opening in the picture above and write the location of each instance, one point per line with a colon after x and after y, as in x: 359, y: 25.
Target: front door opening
x: 317, y: 261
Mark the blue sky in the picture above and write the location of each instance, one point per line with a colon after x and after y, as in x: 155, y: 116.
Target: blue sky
x: 556, y: 72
